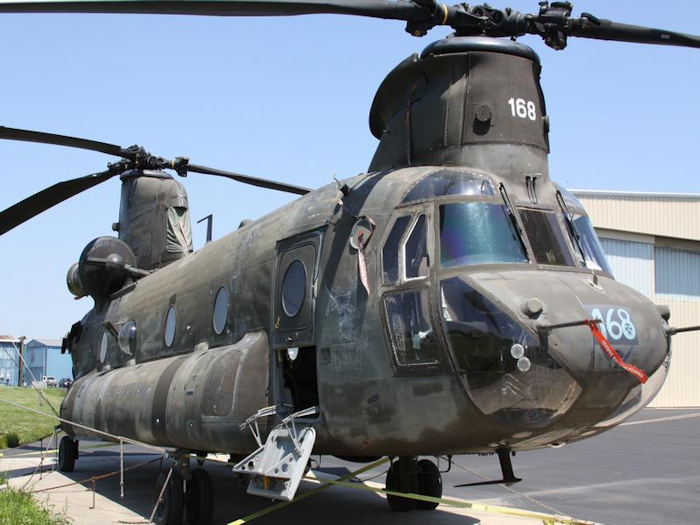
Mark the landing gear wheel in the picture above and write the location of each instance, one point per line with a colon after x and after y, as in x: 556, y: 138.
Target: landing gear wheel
x: 169, y: 511
x: 199, y: 498
x: 67, y: 454
x: 402, y: 477
x: 429, y: 484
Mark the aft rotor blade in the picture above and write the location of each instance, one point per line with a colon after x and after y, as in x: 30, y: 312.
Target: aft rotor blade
x: 602, y: 29
x: 45, y: 199
x: 246, y: 179
x: 24, y: 135
x: 388, y: 9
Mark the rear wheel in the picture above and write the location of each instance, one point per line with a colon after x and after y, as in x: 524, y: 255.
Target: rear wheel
x: 429, y: 484
x: 199, y: 499
x: 169, y: 510
x: 67, y: 454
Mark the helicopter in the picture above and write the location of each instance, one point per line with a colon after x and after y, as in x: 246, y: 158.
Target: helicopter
x: 442, y: 303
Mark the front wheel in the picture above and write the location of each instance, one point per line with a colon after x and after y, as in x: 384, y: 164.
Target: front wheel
x: 429, y: 484
x: 402, y: 478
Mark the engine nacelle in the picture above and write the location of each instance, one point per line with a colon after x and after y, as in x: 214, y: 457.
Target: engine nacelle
x: 102, y: 269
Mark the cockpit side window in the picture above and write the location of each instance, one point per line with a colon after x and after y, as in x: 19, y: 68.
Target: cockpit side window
x: 546, y: 237
x: 478, y: 233
x: 416, y: 250
x: 592, y: 250
x: 390, y: 251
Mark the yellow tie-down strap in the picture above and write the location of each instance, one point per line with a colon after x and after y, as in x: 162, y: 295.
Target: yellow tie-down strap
x: 546, y: 519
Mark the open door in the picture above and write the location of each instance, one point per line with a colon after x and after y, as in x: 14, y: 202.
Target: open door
x: 293, y: 331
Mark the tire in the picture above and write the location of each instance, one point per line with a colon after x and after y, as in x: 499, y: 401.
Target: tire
x: 429, y: 484
x: 393, y: 483
x: 199, y: 498
x: 67, y: 454
x: 170, y: 509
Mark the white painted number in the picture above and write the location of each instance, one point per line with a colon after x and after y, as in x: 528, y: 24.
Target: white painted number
x: 614, y: 329
x: 523, y: 109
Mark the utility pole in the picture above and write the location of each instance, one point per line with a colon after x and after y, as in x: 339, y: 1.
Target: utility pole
x: 20, y: 376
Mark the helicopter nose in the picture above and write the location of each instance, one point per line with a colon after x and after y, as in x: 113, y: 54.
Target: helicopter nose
x: 595, y: 384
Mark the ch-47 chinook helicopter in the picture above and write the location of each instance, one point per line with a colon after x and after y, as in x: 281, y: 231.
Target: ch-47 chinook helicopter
x: 451, y: 300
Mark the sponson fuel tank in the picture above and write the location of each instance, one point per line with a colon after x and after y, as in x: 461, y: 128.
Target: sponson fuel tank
x: 465, y: 101
x: 195, y: 401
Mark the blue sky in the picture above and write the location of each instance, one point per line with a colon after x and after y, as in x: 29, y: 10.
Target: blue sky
x: 288, y: 99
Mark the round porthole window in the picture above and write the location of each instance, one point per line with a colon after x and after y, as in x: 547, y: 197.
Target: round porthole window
x: 103, y: 347
x: 294, y: 288
x: 170, y: 322
x: 220, y: 310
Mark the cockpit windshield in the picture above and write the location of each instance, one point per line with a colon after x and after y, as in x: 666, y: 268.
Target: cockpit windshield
x: 478, y: 233
x: 546, y: 237
x: 446, y: 182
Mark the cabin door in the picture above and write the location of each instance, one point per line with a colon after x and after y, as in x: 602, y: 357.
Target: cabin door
x: 293, y: 330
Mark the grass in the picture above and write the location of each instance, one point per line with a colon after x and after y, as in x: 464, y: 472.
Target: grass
x: 20, y: 508
x: 18, y: 426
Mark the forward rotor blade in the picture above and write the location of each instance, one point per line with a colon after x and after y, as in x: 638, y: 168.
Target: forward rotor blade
x: 245, y: 179
x: 24, y: 135
x: 601, y: 29
x: 45, y: 199
x: 388, y: 9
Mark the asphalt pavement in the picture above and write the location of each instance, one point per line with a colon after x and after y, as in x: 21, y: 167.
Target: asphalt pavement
x: 644, y: 472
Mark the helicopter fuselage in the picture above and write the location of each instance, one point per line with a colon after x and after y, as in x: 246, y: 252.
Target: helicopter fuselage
x: 443, y: 355
x: 419, y: 309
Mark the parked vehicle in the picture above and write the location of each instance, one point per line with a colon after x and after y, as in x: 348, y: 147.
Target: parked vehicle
x: 49, y: 380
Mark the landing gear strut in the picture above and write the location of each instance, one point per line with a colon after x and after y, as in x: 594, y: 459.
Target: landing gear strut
x: 410, y: 476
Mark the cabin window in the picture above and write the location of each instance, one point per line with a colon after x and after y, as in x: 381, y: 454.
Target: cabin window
x: 416, y: 250
x: 170, y: 323
x: 478, y: 233
x: 546, y: 237
x: 220, y: 310
x: 412, y: 336
x: 390, y: 251
x: 126, y: 337
x: 294, y: 288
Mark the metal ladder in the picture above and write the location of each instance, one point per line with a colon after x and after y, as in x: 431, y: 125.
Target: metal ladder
x: 276, y: 467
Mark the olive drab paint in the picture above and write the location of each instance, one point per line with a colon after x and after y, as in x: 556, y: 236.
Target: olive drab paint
x: 444, y: 350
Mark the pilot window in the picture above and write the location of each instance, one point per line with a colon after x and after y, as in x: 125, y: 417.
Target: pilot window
x: 390, y: 251
x: 412, y: 337
x: 478, y: 233
x: 416, y: 250
x: 592, y: 250
x: 546, y: 237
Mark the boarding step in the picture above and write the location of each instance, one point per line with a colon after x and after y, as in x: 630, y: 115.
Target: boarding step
x: 276, y: 467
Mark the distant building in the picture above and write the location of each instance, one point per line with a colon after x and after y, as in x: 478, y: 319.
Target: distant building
x: 43, y: 357
x: 9, y: 359
x: 652, y: 241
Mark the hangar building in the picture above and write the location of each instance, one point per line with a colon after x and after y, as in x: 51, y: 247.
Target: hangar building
x: 652, y: 241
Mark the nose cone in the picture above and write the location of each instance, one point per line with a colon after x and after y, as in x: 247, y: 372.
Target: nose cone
x: 573, y: 369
